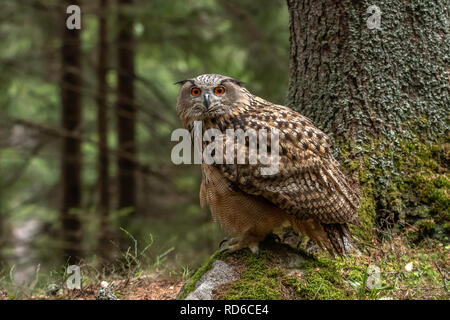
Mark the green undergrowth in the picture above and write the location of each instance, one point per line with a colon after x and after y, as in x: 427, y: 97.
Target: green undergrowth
x: 138, y: 261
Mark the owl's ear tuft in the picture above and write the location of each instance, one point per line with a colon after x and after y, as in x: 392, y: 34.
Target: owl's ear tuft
x: 238, y: 82
x: 181, y: 82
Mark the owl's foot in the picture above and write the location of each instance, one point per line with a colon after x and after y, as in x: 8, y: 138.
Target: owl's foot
x: 222, y: 242
x: 229, y: 244
x: 238, y: 243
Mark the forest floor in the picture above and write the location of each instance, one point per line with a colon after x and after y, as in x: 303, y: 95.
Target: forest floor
x: 147, y: 287
x: 420, y: 271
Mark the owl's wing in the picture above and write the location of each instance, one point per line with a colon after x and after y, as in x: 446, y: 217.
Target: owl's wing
x: 308, y: 183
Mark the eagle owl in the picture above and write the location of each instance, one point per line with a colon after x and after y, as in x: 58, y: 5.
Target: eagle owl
x: 308, y: 191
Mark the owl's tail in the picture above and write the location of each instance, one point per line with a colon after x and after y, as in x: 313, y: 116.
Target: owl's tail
x: 339, y: 238
x: 335, y: 238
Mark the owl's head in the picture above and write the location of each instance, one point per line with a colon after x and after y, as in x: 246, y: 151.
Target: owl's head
x: 208, y: 96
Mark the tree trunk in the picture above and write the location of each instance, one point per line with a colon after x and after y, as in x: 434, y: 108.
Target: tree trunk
x: 126, y: 111
x: 71, y: 145
x: 380, y: 93
x: 102, y: 128
x: 2, y: 231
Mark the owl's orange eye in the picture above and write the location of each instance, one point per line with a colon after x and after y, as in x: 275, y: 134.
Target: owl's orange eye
x: 195, y: 91
x: 219, y: 90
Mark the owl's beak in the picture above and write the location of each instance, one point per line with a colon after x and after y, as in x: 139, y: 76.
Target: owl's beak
x: 206, y: 100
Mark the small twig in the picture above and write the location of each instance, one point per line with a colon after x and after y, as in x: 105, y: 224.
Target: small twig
x: 36, y: 278
x: 444, y: 278
x: 320, y: 287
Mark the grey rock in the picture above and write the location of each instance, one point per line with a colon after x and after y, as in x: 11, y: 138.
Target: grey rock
x: 52, y: 289
x: 292, y: 261
x: 219, y: 274
x: 106, y: 294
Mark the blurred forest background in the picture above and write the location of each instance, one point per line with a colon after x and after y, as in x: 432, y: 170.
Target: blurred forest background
x: 86, y: 119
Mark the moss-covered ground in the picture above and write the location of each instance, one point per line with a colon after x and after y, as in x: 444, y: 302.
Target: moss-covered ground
x: 403, y: 187
x: 405, y: 272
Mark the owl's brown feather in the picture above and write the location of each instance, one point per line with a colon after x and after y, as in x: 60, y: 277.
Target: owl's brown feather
x: 237, y: 212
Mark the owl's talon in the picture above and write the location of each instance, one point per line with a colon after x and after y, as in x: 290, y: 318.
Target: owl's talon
x: 232, y: 244
x: 230, y: 249
x: 222, y: 242
x: 222, y: 250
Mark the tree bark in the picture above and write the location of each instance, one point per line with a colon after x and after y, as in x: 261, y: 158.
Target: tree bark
x: 354, y: 81
x: 71, y: 146
x: 2, y: 226
x: 126, y: 110
x: 102, y: 129
x: 372, y: 89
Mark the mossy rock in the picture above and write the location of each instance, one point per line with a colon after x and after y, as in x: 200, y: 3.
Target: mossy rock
x: 277, y: 272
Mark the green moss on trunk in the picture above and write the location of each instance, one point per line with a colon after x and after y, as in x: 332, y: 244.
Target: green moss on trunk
x: 401, y: 185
